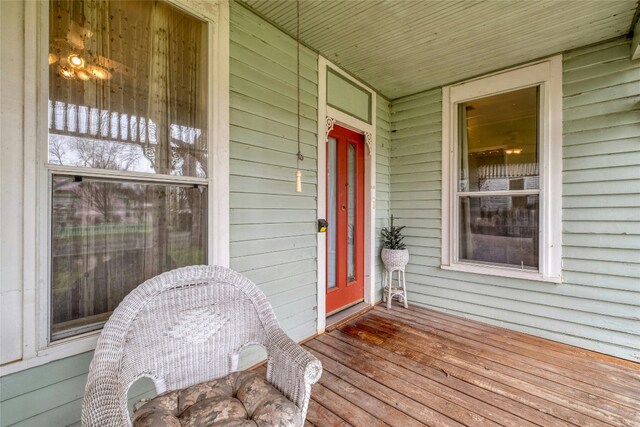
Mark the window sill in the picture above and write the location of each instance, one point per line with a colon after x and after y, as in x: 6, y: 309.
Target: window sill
x: 54, y: 351
x: 502, y: 272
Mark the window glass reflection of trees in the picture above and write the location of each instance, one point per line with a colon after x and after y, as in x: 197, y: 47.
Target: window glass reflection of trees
x: 127, y: 93
x: 146, y: 112
x: 110, y: 236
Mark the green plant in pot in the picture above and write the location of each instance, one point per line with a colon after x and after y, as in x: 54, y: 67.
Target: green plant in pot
x: 395, y: 255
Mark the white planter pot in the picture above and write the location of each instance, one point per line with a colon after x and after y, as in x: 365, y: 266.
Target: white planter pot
x: 395, y: 259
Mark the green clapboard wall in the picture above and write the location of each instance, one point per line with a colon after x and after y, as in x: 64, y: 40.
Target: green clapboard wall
x: 383, y: 176
x: 598, y: 304
x: 273, y: 228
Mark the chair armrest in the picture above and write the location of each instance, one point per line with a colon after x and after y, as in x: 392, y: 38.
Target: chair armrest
x: 291, y: 368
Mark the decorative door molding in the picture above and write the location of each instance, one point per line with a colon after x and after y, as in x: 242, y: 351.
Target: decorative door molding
x: 328, y: 117
x: 330, y: 122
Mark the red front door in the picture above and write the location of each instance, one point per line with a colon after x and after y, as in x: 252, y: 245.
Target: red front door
x: 345, y: 215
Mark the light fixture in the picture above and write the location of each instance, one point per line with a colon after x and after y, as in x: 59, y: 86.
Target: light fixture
x: 298, y: 181
x: 75, y: 63
x: 83, y: 75
x: 299, y: 155
x: 67, y: 73
x: 75, y: 60
x: 98, y: 72
x: 514, y: 141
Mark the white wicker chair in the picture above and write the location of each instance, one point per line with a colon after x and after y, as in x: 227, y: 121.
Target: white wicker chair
x: 185, y: 327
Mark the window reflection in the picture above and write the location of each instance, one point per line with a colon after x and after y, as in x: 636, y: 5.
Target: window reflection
x: 498, y: 153
x: 127, y: 87
x: 499, y: 141
x: 332, y: 208
x: 500, y: 230
x: 107, y: 237
x: 351, y: 212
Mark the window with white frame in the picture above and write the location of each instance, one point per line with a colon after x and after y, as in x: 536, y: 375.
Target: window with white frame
x: 127, y: 152
x: 502, y: 173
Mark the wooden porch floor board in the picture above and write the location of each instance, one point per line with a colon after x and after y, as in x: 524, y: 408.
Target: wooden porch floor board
x: 400, y: 402
x: 519, y: 379
x: 405, y: 392
x: 550, y: 351
x: 497, y: 407
x: 370, y: 403
x: 420, y: 367
x: 474, y: 375
x: 318, y: 415
x: 600, y: 381
x: 584, y: 397
x: 344, y: 409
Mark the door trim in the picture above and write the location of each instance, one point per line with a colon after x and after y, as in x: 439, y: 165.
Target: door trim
x: 327, y: 118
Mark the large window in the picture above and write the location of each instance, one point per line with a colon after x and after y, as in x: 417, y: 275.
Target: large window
x: 502, y: 174
x: 498, y: 183
x: 128, y: 158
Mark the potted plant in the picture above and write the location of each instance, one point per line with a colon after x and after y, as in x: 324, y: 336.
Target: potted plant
x: 394, y: 254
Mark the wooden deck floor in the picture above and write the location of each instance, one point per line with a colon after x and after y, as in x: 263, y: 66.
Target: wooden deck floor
x: 419, y: 367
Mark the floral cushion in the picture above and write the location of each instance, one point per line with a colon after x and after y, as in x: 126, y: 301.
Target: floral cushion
x: 241, y: 399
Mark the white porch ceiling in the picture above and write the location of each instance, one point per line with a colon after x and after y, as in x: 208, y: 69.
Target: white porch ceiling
x: 401, y: 47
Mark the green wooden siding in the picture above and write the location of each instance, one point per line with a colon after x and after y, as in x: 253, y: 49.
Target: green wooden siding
x: 51, y: 394
x: 273, y: 228
x: 383, y: 174
x: 598, y: 304
x: 601, y: 188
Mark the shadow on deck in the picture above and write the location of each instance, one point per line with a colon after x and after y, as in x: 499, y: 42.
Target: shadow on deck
x: 420, y: 367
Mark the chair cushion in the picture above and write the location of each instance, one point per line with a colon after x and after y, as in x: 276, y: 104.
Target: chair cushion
x: 240, y: 399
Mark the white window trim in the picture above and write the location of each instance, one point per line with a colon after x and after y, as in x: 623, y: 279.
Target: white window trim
x: 326, y: 112
x: 36, y: 348
x: 548, y: 75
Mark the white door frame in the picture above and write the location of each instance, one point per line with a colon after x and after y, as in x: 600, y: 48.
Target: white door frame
x: 327, y: 118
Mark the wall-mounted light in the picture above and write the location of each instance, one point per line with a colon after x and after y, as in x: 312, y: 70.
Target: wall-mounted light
x: 513, y: 150
x: 298, y: 181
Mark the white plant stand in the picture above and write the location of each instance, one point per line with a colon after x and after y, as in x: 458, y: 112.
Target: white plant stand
x: 390, y: 291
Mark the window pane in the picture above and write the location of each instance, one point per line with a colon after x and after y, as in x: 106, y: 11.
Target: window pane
x: 351, y: 212
x: 498, y: 143
x: 127, y: 87
x: 332, y: 209
x: 108, y: 237
x: 500, y: 230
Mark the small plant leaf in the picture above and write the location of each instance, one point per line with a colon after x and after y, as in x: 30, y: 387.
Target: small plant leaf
x: 392, y: 237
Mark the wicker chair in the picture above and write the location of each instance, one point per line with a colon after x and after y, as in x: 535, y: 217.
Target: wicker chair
x: 185, y: 327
